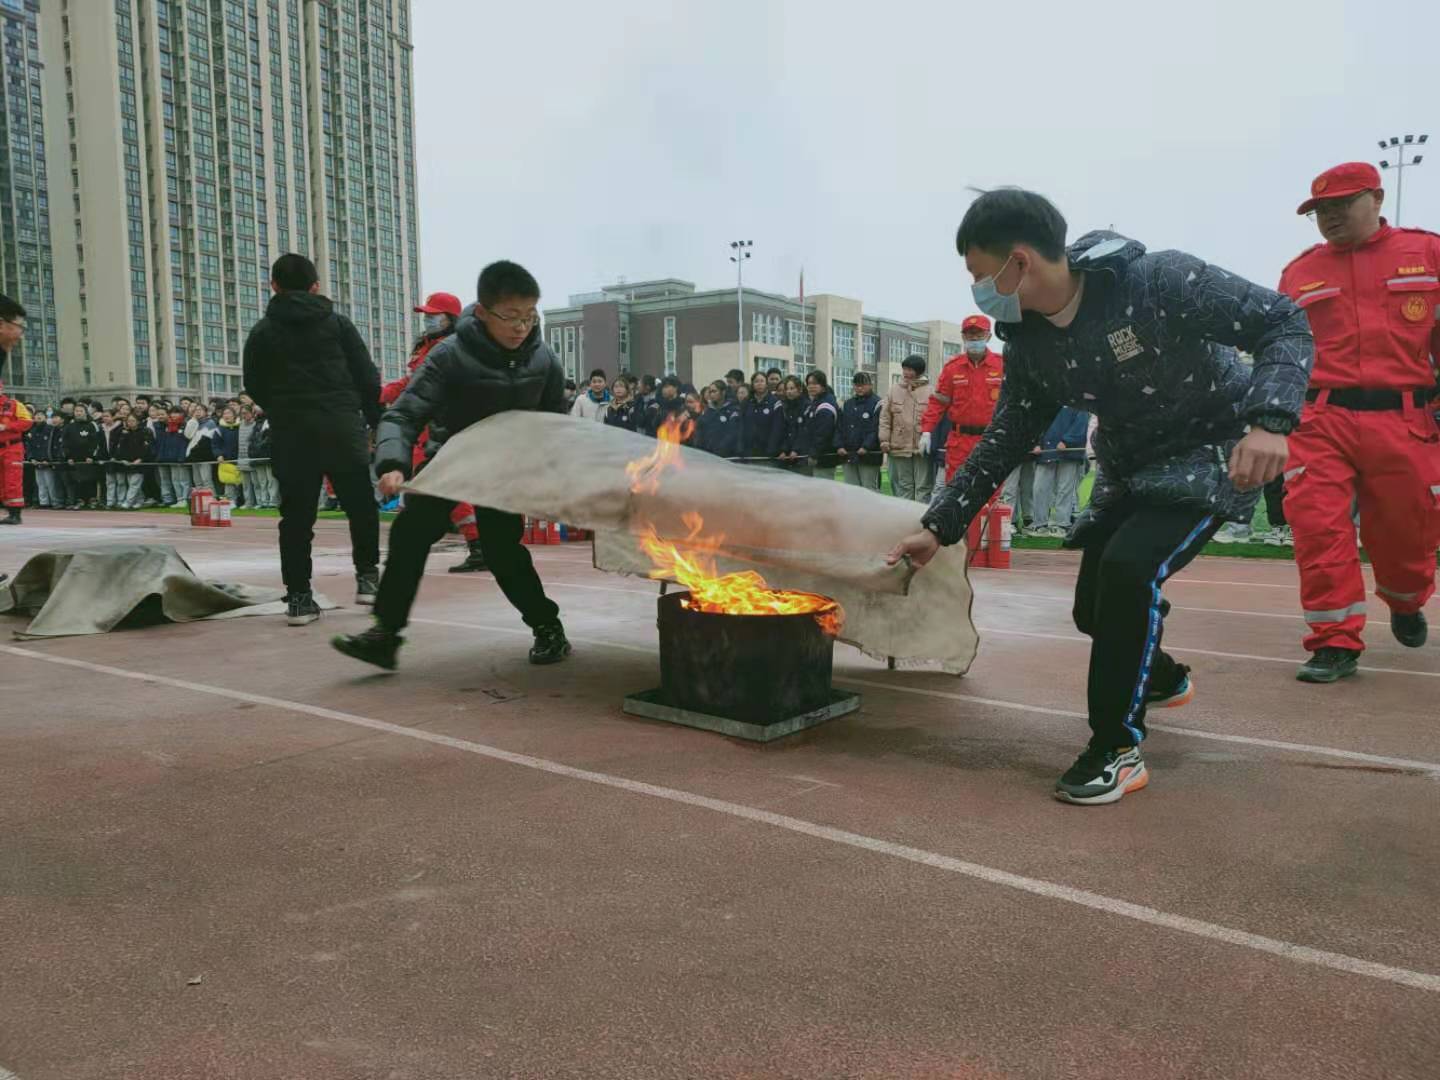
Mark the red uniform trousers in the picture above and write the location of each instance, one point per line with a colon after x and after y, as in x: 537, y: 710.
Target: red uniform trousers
x: 957, y: 449
x: 1391, y: 461
x: 12, y: 474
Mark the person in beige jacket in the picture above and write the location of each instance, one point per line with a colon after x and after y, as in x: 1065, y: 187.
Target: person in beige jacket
x: 900, y: 431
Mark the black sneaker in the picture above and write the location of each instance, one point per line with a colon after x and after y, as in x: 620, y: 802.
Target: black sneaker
x: 376, y: 646
x: 550, y: 644
x: 1410, y: 630
x: 1102, y: 776
x: 474, y: 562
x: 301, y: 609
x: 366, y: 586
x: 1329, y: 665
x: 12, y: 518
x: 1182, y: 693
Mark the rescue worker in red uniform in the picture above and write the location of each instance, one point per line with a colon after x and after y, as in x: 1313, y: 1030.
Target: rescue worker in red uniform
x: 966, y: 392
x: 15, y: 419
x: 1372, y: 294
x: 441, y: 311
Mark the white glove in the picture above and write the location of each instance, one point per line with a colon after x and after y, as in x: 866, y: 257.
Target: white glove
x: 925, y: 443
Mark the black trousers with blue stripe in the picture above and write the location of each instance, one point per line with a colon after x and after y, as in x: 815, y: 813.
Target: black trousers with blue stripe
x: 1128, y: 557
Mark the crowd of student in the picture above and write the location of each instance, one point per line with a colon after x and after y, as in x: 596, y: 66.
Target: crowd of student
x: 83, y: 455
x: 784, y: 421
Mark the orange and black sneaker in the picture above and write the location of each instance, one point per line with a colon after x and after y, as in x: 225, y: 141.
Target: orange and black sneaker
x: 1181, y: 693
x: 1102, y: 776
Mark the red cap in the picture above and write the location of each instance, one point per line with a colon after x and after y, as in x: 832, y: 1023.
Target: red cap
x: 441, y: 303
x: 1340, y: 181
x: 976, y: 322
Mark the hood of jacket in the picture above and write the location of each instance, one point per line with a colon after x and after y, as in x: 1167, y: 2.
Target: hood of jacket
x: 1098, y: 251
x: 294, y: 308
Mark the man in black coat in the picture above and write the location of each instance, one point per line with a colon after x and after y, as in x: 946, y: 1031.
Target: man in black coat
x: 1188, y: 436
x: 494, y: 362
x: 307, y: 367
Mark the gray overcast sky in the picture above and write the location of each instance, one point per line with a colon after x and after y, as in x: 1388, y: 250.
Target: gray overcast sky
x: 594, y: 140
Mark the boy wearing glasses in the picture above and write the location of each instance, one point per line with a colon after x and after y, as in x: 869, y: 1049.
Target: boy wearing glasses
x: 494, y: 362
x: 1372, y: 294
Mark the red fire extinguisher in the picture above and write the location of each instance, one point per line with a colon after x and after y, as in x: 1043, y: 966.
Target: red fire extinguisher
x: 200, y: 499
x: 998, y: 532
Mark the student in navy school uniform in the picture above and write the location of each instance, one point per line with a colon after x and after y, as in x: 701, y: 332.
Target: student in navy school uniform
x: 858, y: 439
x: 820, y: 419
x: 793, y: 453
x: 762, y: 423
x: 624, y: 411
x: 720, y: 423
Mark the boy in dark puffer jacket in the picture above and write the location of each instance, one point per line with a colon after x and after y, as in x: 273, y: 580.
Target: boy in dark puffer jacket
x: 494, y: 362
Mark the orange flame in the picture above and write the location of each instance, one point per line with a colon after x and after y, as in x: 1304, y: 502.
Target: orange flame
x: 645, y: 472
x: 692, y: 562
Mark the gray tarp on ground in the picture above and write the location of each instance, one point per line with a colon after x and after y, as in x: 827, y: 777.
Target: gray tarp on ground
x: 798, y: 532
x: 91, y: 590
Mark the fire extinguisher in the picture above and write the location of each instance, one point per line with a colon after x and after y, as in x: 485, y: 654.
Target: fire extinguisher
x: 998, y: 531
x: 200, y: 498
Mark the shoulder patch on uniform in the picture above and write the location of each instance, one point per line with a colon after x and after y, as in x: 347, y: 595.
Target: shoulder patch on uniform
x: 1308, y: 251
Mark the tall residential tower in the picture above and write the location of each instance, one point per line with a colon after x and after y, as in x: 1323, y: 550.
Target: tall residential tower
x: 191, y: 142
x: 27, y: 271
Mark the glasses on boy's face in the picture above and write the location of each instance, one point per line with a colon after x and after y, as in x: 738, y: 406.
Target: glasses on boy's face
x: 19, y: 324
x: 519, y: 322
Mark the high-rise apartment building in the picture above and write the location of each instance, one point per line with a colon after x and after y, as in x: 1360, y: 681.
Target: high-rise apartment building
x: 26, y: 270
x: 192, y: 142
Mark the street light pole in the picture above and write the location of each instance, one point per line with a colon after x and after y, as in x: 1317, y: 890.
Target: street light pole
x: 741, y: 249
x: 1395, y: 142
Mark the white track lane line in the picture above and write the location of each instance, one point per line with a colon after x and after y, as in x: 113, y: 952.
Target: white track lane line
x: 1109, y: 905
x: 1181, y: 580
x: 644, y: 593
x: 1429, y: 768
x: 1069, y: 602
x: 1201, y: 652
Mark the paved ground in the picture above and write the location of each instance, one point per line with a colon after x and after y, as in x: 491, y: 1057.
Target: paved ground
x: 227, y: 852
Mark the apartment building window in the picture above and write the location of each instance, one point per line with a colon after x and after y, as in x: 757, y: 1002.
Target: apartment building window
x: 767, y: 329
x: 843, y: 381
x: 871, y: 352
x: 900, y: 348
x: 842, y: 345
x: 670, y: 350
x: 802, y: 338
x: 569, y: 357
x: 624, y: 343
x: 953, y: 348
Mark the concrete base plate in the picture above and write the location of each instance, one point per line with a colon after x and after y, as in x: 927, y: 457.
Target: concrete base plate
x: 653, y: 704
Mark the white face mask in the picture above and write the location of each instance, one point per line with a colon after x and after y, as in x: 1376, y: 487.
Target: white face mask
x: 434, y: 323
x: 977, y: 349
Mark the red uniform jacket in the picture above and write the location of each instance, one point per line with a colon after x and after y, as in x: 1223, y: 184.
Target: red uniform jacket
x: 16, y: 420
x: 392, y: 390
x: 1374, y: 309
x: 966, y: 392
